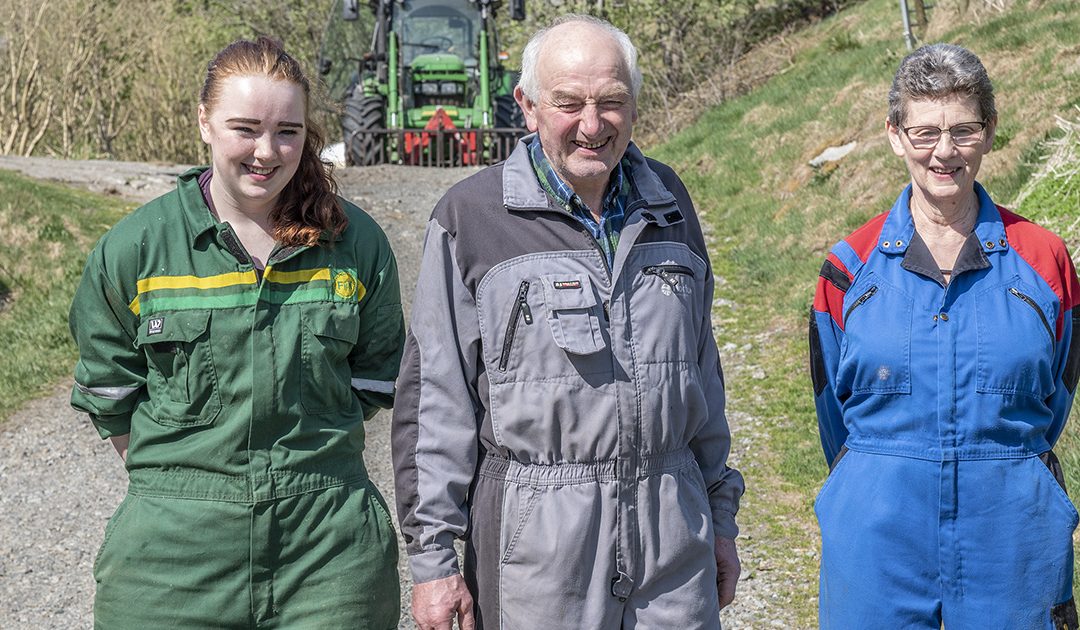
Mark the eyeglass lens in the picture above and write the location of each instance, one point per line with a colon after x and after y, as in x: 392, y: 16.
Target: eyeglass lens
x: 964, y: 134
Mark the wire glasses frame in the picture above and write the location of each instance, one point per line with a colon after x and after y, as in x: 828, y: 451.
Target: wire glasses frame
x: 927, y: 136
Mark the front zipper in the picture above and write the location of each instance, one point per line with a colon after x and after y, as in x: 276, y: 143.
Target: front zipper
x: 859, y: 302
x: 520, y: 310
x: 667, y: 273
x: 1030, y: 302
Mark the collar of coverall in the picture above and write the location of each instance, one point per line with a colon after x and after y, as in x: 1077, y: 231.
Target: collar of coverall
x: 896, y: 233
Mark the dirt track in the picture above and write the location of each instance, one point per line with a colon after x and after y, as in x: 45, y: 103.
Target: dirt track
x: 59, y: 484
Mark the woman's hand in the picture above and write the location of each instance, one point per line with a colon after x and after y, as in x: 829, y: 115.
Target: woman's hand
x: 120, y: 443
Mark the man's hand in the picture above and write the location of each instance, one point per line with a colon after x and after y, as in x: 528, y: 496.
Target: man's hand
x: 435, y: 604
x: 727, y: 569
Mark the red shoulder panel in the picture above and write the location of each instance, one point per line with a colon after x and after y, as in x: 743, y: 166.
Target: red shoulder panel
x: 865, y: 239
x: 830, y: 298
x: 1047, y: 255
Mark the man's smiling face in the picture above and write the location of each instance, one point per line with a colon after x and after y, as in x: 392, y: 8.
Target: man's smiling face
x: 586, y: 108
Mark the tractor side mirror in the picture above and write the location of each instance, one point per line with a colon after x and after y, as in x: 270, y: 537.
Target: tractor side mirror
x: 350, y: 10
x: 517, y: 10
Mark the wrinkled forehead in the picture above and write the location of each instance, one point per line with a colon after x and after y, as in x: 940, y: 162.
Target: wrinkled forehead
x: 582, y: 53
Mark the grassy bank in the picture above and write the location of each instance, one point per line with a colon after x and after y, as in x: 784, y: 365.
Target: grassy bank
x: 773, y: 218
x: 46, y: 231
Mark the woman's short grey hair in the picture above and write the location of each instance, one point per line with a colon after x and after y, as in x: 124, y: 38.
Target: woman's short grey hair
x: 938, y: 71
x: 530, y: 57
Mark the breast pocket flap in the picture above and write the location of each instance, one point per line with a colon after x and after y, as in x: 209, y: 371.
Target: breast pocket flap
x: 573, y: 313
x: 331, y: 320
x: 185, y: 326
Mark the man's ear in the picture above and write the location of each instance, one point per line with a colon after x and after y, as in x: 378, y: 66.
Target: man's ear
x: 527, y: 107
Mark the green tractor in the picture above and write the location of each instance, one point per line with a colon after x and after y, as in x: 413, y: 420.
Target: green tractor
x: 432, y: 89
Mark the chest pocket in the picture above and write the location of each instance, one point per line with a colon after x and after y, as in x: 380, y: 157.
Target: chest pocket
x: 1015, y: 340
x: 875, y: 357
x: 181, y: 380
x: 574, y: 313
x: 330, y: 334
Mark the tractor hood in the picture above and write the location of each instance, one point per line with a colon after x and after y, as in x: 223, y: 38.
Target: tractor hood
x: 438, y: 62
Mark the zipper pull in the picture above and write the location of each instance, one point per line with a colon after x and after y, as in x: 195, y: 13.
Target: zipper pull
x: 523, y: 303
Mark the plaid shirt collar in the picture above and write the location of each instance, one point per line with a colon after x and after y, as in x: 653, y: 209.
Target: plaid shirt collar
x: 565, y: 196
x: 607, y: 230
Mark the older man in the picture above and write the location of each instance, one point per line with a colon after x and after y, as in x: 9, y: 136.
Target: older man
x: 561, y: 404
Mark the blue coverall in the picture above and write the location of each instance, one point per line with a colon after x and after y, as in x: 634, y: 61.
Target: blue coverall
x: 938, y: 404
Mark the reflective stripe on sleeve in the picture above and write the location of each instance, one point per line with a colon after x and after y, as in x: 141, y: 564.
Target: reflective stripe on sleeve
x: 367, y: 384
x: 110, y: 393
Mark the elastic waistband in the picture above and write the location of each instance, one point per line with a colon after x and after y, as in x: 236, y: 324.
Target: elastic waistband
x: 211, y: 486
x: 496, y: 467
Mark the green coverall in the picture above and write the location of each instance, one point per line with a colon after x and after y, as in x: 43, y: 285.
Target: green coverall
x: 244, y: 394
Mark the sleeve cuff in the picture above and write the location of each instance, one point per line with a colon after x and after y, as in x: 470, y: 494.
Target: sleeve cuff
x: 724, y: 525
x: 111, y: 427
x: 433, y: 565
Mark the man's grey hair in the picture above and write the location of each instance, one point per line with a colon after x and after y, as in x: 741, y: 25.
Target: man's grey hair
x: 938, y: 71
x: 530, y: 57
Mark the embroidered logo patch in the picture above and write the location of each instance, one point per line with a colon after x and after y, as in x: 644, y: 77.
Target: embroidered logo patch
x: 155, y: 326
x: 567, y: 284
x: 344, y: 285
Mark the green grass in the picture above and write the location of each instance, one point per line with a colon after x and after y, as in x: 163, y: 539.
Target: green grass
x: 47, y: 231
x: 772, y: 218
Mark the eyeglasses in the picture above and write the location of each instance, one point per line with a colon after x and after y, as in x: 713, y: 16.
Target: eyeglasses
x: 963, y: 135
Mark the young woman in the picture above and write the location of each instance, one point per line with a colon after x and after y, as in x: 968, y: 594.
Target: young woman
x: 234, y: 335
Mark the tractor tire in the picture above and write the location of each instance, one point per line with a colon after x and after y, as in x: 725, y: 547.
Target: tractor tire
x: 363, y: 114
x: 507, y: 113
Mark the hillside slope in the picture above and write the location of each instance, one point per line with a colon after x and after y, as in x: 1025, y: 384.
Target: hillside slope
x: 772, y: 218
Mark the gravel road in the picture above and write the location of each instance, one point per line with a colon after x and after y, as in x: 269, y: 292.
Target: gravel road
x: 59, y: 484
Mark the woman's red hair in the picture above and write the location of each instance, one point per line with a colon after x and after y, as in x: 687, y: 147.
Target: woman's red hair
x: 308, y: 206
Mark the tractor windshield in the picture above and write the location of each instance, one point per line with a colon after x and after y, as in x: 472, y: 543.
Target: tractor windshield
x: 434, y: 26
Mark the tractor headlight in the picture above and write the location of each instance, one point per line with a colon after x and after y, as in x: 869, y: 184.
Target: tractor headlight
x: 449, y: 87
x: 429, y: 89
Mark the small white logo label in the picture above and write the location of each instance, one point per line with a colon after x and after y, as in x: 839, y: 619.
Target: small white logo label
x: 155, y: 326
x: 665, y: 288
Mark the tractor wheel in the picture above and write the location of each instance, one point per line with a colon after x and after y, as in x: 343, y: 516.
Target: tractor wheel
x: 507, y: 113
x: 362, y: 115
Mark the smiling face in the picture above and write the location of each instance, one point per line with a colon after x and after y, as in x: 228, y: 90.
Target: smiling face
x: 586, y: 109
x: 942, y: 176
x: 256, y: 133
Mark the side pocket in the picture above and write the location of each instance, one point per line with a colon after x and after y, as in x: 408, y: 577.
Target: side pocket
x: 110, y: 529
x: 1049, y: 466
x: 526, y: 498
x: 835, y: 469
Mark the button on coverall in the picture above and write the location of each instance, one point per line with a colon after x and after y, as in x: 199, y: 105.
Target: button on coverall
x: 244, y: 395
x: 935, y: 403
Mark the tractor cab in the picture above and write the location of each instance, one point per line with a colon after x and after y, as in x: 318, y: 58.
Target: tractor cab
x: 431, y: 88
x: 439, y: 43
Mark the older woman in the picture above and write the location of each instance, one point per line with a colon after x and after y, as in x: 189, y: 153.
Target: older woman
x: 944, y: 364
x: 233, y: 336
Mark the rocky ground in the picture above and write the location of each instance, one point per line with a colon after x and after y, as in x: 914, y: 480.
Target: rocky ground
x: 59, y: 484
